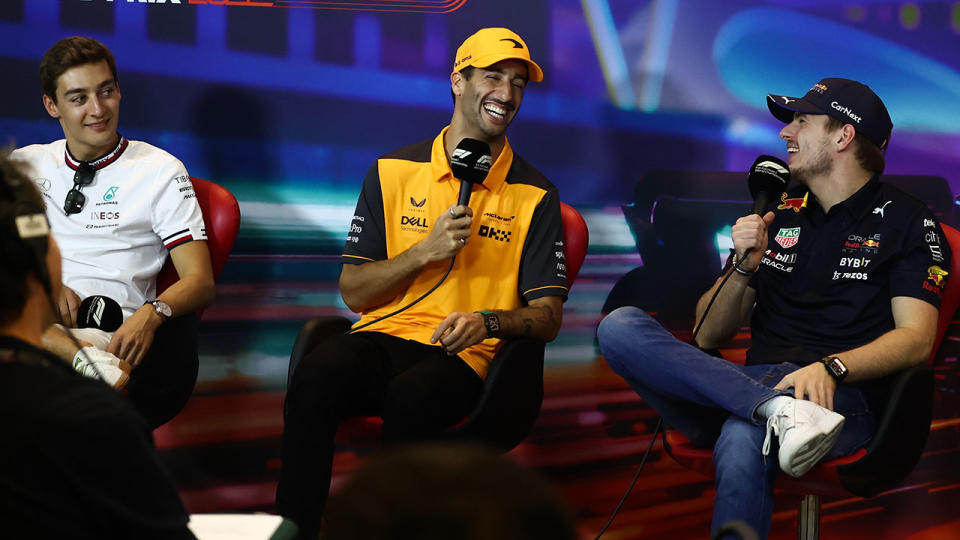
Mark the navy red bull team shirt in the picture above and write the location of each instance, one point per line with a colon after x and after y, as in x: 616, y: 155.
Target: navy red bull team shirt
x: 827, y: 278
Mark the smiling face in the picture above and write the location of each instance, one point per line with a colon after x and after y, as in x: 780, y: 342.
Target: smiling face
x: 88, y: 108
x: 489, y: 99
x: 808, y: 146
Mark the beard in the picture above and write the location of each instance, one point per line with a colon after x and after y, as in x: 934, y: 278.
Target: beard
x: 821, y: 164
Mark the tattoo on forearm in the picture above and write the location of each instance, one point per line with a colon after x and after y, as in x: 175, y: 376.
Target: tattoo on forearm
x: 527, y: 327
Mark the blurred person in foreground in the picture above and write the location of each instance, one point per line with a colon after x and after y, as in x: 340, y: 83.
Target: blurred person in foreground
x: 77, y: 460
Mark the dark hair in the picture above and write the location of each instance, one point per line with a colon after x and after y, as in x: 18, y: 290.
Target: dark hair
x: 868, y: 155
x: 467, y: 72
x: 68, y: 53
x: 439, y: 492
x: 18, y: 195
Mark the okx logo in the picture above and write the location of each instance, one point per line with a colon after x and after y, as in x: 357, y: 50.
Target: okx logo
x: 496, y: 234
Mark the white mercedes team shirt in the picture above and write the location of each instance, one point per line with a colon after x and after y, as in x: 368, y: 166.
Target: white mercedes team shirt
x: 140, y: 205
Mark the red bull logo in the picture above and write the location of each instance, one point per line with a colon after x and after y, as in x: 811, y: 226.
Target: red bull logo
x: 792, y: 204
x: 871, y: 244
x: 937, y: 275
x: 820, y: 88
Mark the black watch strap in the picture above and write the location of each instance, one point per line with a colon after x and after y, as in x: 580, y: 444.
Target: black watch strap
x: 492, y: 323
x: 835, y: 367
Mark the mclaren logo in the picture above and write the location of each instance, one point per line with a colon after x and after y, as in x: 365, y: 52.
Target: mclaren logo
x: 516, y: 44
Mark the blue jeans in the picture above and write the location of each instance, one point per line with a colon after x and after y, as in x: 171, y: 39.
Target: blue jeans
x: 713, y: 403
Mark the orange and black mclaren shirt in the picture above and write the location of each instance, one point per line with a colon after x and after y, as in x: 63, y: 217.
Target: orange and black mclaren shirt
x: 514, y: 254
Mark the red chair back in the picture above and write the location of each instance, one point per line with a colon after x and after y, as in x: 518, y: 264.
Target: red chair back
x: 575, y: 240
x: 951, y: 294
x: 221, y: 215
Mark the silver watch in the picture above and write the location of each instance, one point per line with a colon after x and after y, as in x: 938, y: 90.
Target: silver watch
x: 162, y: 308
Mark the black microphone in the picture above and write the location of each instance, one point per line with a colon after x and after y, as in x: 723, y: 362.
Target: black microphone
x: 99, y: 312
x: 768, y: 178
x: 470, y: 163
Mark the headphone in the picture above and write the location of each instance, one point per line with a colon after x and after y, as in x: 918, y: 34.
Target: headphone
x: 24, y: 236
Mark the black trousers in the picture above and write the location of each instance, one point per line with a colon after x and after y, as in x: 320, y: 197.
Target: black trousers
x: 163, y: 382
x: 417, y: 389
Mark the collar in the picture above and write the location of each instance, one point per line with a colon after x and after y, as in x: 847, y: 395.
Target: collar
x: 99, y: 162
x: 440, y: 166
x: 864, y: 200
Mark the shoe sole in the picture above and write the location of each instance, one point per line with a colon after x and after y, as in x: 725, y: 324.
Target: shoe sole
x: 810, y: 453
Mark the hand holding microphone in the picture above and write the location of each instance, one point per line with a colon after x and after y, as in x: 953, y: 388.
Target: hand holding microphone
x: 470, y: 163
x: 768, y: 177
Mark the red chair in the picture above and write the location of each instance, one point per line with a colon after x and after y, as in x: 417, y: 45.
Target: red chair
x: 513, y: 389
x: 887, y: 459
x: 221, y: 215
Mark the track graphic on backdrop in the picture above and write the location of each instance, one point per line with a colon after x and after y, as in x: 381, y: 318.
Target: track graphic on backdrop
x: 412, y: 6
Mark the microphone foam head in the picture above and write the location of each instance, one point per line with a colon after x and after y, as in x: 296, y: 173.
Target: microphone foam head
x: 471, y: 161
x: 768, y: 174
x: 99, y: 312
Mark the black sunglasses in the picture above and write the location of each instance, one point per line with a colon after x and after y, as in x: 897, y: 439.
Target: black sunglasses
x: 75, y: 200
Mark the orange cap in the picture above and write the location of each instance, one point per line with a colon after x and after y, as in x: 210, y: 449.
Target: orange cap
x: 491, y: 45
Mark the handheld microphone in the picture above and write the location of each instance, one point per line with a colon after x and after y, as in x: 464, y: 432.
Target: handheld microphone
x: 99, y: 312
x: 768, y: 178
x: 470, y: 163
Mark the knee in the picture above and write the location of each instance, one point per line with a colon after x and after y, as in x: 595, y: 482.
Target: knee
x: 620, y: 333
x: 319, y: 378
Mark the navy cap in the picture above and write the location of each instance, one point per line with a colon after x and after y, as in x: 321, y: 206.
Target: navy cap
x: 848, y: 101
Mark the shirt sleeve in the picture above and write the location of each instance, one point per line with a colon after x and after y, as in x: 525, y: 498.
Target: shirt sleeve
x: 543, y: 270
x: 366, y: 240
x: 922, y: 270
x: 177, y: 218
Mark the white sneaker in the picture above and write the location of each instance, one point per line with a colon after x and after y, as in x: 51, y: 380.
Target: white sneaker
x: 94, y: 363
x: 807, y: 432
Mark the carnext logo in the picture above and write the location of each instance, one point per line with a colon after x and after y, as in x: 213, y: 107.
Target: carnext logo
x: 845, y: 110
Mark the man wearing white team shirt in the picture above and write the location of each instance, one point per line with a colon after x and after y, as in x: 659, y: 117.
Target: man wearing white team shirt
x: 117, y: 208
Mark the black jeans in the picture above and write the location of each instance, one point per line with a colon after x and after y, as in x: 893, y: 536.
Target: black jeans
x: 163, y: 382
x: 417, y: 389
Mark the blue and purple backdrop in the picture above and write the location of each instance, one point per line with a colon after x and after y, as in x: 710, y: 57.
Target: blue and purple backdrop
x: 287, y: 103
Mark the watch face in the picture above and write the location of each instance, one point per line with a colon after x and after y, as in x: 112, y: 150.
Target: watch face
x: 163, y: 309
x: 836, y: 367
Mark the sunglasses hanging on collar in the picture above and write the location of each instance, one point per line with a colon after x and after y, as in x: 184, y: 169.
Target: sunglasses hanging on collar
x: 75, y: 199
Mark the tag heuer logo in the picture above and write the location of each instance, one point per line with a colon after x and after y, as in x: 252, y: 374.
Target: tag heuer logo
x: 788, y: 237
x: 417, y: 204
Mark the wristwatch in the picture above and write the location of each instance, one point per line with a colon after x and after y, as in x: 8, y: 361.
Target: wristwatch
x: 835, y: 367
x: 492, y: 322
x: 162, y: 308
